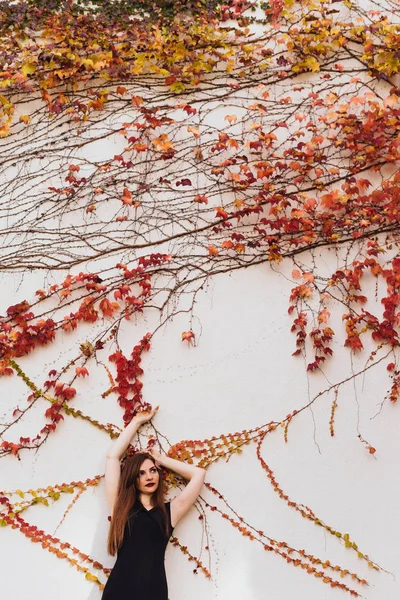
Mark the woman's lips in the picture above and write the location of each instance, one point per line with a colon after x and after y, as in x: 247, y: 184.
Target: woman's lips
x: 150, y: 484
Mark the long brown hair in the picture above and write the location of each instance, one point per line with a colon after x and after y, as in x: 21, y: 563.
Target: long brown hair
x: 126, y: 498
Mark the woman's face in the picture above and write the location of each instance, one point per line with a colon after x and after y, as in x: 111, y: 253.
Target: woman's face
x: 148, y: 479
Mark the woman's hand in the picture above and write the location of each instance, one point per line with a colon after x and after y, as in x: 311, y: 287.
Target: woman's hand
x: 145, y: 416
x: 118, y: 448
x: 155, y: 454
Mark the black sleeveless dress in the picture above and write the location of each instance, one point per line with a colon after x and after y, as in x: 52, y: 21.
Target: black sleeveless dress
x: 139, y: 572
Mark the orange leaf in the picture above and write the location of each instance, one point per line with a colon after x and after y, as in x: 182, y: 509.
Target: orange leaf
x: 221, y: 213
x: 200, y: 199
x: 108, y: 307
x: 163, y: 143
x: 212, y: 250
x: 357, y: 100
x: 137, y: 100
x: 140, y: 147
x: 324, y: 316
x: 81, y: 371
x: 187, y: 336
x: 127, y: 197
x: 390, y: 101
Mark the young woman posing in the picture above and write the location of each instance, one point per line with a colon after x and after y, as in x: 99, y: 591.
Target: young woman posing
x: 141, y: 522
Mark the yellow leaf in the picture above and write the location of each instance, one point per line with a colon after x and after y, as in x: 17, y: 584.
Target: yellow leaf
x: 230, y: 66
x: 177, y: 87
x: 312, y: 64
x: 28, y: 69
x: 194, y: 130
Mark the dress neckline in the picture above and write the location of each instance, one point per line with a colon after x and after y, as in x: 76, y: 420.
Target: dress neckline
x: 146, y: 509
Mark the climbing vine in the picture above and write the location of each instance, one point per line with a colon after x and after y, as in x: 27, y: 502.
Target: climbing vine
x: 117, y: 183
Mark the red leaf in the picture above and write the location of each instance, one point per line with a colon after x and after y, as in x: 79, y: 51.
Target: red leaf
x: 183, y: 182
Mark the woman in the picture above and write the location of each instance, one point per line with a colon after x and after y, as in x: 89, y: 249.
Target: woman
x: 141, y: 522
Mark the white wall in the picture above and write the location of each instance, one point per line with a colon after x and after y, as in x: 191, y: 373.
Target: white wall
x: 239, y: 376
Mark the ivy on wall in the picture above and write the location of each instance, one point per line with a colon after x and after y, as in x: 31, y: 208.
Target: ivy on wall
x: 305, y: 157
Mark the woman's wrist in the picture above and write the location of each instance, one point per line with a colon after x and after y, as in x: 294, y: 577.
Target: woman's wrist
x: 144, y: 416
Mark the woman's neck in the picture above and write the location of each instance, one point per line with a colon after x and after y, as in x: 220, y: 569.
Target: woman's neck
x: 145, y: 500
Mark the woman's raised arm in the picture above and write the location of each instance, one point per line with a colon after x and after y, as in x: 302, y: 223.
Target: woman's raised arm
x: 181, y: 504
x: 116, y: 452
x: 117, y: 448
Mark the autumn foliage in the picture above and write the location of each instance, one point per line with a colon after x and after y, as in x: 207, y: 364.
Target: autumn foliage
x: 306, y: 157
